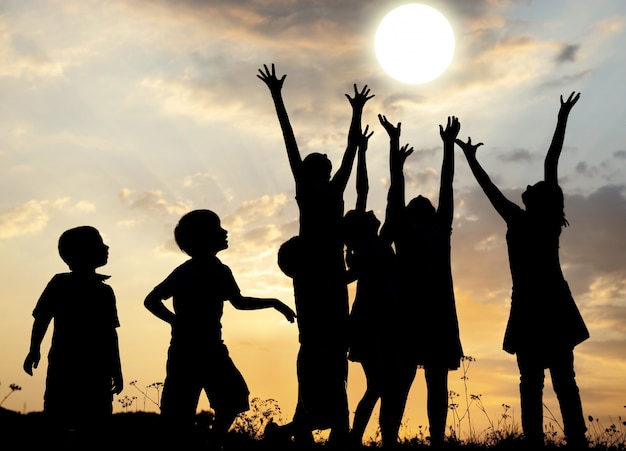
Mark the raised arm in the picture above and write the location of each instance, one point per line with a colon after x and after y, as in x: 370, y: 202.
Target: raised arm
x: 445, y: 210
x: 275, y: 86
x: 362, y: 182
x: 354, y: 136
x: 554, y: 152
x: 397, y: 157
x: 502, y: 205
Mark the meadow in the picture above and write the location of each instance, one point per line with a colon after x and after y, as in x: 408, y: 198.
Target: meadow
x: 134, y: 428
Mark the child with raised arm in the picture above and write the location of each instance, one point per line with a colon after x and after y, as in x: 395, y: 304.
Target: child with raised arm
x: 428, y: 325
x: 84, y: 356
x: 544, y: 324
x: 320, y: 289
x: 371, y: 262
x: 198, y: 359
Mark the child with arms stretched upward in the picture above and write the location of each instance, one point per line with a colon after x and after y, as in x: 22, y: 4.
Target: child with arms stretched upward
x: 428, y: 325
x: 544, y: 323
x: 320, y: 287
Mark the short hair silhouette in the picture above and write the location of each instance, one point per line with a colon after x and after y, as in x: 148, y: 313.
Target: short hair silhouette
x: 195, y: 230
x: 290, y: 258
x: 77, y: 245
x: 317, y: 165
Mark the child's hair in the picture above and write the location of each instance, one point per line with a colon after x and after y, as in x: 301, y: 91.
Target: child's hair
x: 546, y: 200
x: 356, y: 225
x: 194, y: 230
x: 291, y: 256
x: 316, y: 165
x: 420, y: 208
x: 75, y: 244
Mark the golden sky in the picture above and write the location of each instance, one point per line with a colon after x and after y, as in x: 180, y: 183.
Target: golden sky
x: 124, y: 115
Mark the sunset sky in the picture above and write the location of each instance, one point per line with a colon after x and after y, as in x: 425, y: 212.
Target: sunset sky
x: 126, y: 114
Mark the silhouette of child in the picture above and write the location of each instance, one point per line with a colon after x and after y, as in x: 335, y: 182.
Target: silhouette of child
x: 320, y: 287
x: 371, y: 262
x: 84, y: 357
x: 198, y: 359
x: 544, y: 323
x: 421, y: 235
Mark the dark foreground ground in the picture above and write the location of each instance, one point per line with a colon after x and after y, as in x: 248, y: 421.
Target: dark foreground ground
x: 143, y: 431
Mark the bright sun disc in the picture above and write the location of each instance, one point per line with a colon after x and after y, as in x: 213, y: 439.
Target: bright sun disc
x: 414, y: 43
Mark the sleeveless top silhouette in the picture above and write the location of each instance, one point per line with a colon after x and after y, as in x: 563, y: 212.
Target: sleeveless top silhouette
x: 432, y: 328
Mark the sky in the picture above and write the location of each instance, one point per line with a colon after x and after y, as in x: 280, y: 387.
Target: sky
x: 125, y: 115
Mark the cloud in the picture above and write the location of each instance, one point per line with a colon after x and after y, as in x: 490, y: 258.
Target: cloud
x: 152, y: 202
x: 591, y: 248
x: 568, y: 53
x: 84, y: 206
x: 620, y: 154
x: 29, y: 218
x: 583, y: 168
x: 257, y: 210
x: 516, y: 155
x: 611, y: 25
x: 255, y: 228
x: 566, y: 80
x: 21, y: 56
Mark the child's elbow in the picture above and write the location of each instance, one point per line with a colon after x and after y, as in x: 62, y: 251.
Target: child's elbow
x: 151, y: 300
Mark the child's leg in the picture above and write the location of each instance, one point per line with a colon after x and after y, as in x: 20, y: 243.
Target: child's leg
x: 363, y: 413
x: 181, y: 391
x: 531, y: 397
x: 437, y: 401
x: 564, y: 384
x: 226, y: 389
x: 398, y: 381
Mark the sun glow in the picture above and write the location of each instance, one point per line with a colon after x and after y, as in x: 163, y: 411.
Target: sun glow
x: 414, y: 43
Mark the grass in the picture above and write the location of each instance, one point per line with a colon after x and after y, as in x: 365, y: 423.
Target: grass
x: 143, y: 430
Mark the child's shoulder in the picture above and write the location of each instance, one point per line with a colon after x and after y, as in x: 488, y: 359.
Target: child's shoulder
x: 62, y: 277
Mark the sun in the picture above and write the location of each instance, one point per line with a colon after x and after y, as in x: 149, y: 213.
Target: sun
x: 414, y: 43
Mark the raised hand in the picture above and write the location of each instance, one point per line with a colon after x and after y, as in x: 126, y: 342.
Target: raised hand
x: 269, y: 78
x: 287, y: 312
x: 451, y: 131
x: 359, y: 99
x: 365, y: 137
x: 567, y: 105
x: 392, y: 131
x: 403, y: 153
x: 469, y: 149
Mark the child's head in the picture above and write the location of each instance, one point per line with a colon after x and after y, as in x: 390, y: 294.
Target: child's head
x: 358, y: 226
x: 317, y: 167
x: 291, y: 256
x: 82, y: 248
x: 199, y: 233
x: 545, y: 202
x: 420, y: 210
